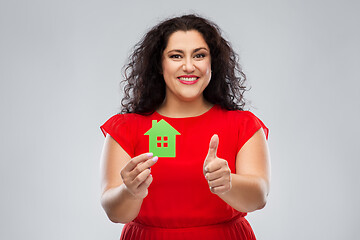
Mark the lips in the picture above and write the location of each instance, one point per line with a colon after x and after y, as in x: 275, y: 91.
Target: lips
x: 188, y: 79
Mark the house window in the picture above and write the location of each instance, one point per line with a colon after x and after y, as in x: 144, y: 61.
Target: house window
x: 162, y: 142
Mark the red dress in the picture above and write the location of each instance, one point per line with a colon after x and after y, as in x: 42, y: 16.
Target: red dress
x: 179, y: 204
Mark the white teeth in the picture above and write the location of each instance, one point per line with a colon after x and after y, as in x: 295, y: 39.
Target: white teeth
x: 187, y: 79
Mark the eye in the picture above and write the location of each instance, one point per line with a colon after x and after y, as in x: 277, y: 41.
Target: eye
x: 175, y: 56
x: 200, y: 55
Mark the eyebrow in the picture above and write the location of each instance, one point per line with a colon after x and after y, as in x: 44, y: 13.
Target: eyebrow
x: 195, y: 50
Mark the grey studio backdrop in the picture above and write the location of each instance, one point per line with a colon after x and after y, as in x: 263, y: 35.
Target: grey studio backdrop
x: 60, y: 68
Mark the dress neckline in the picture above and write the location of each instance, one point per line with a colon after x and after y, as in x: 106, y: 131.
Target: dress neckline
x: 193, y: 117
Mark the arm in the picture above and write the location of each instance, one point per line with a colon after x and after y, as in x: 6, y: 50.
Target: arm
x: 247, y: 189
x: 124, y: 181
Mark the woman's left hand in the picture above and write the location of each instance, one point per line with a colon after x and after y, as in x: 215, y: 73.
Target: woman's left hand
x: 216, y: 170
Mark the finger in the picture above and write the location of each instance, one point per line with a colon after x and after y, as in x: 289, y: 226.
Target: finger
x: 210, y: 176
x: 146, y: 164
x: 142, y: 166
x: 216, y: 165
x: 221, y: 189
x: 140, y: 178
x: 213, y: 166
x: 136, y: 160
x: 214, y: 142
x: 146, y: 183
x: 218, y: 182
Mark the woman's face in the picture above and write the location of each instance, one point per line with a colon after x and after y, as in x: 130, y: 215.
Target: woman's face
x: 186, y: 66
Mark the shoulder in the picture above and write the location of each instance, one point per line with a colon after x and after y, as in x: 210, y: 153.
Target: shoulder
x: 122, y: 122
x: 244, y: 120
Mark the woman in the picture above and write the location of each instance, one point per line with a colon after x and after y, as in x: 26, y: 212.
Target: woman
x: 183, y: 160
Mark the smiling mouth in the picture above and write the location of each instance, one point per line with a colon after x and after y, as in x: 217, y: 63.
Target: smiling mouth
x: 188, y: 80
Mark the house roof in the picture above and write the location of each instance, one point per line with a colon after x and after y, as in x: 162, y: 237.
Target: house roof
x: 161, y: 128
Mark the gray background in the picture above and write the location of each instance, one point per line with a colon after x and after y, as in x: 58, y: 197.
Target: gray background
x: 60, y: 70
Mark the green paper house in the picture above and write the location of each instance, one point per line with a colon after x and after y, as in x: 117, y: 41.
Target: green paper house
x: 162, y: 139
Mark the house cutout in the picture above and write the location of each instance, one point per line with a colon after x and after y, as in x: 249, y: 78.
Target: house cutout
x: 162, y: 139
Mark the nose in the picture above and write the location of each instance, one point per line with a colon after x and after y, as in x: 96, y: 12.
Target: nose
x: 188, y: 66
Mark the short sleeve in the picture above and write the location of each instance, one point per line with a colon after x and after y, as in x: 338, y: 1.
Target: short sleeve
x: 120, y: 128
x: 249, y: 125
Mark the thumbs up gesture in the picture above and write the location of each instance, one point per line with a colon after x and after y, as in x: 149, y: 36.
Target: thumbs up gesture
x: 216, y: 170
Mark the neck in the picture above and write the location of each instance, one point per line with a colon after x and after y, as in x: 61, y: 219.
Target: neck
x: 179, y: 109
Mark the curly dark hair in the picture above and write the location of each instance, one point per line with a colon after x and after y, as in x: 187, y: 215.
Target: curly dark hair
x: 144, y: 82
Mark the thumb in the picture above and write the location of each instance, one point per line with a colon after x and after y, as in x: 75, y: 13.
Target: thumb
x: 213, y: 146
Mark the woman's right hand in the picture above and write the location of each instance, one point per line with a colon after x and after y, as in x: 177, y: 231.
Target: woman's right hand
x: 136, y: 175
